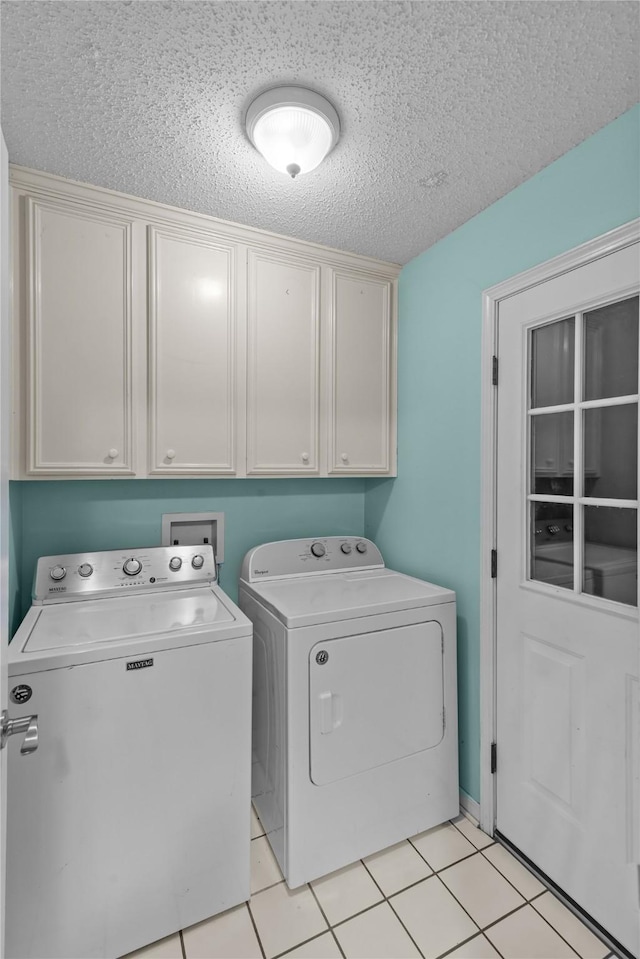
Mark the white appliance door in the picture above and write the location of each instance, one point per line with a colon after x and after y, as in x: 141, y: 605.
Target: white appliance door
x: 374, y: 698
x: 131, y: 820
x: 567, y: 614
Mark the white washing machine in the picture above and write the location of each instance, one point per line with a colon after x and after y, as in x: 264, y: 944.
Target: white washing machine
x: 355, y: 740
x: 131, y: 819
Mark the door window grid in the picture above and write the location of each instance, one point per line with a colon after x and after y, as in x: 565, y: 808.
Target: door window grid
x: 576, y: 500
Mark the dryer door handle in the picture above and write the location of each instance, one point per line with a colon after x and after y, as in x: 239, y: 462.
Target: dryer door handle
x: 330, y: 712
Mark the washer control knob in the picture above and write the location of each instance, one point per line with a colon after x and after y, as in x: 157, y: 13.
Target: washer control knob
x: 175, y: 563
x: 361, y: 547
x: 198, y: 561
x: 346, y: 548
x: 85, y: 570
x: 58, y: 573
x: 318, y: 549
x: 132, y: 566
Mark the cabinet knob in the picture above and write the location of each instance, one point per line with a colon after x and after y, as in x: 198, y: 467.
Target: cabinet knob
x: 113, y: 453
x: 305, y: 457
x: 344, y: 457
x: 171, y: 454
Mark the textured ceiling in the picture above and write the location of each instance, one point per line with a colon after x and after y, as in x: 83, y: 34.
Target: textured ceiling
x: 445, y: 106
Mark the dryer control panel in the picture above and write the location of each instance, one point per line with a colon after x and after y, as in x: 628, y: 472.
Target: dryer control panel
x: 304, y: 557
x: 75, y: 576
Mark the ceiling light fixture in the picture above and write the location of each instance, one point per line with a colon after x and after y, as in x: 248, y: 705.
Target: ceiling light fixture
x: 293, y: 128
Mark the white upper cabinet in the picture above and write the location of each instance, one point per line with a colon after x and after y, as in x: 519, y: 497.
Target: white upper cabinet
x: 151, y: 341
x: 282, y: 364
x: 361, y: 343
x: 192, y: 369
x: 79, y: 316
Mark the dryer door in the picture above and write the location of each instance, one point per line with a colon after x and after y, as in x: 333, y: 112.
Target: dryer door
x: 374, y: 698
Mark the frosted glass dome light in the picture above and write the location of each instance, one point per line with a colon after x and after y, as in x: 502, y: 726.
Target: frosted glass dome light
x: 293, y: 128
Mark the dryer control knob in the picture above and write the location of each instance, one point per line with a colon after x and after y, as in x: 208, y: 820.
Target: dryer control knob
x: 361, y: 547
x: 132, y: 566
x: 346, y: 548
x: 85, y: 570
x: 318, y: 549
x: 57, y: 573
x: 198, y: 561
x: 175, y: 563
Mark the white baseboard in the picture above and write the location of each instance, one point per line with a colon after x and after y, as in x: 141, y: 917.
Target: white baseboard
x: 469, y: 806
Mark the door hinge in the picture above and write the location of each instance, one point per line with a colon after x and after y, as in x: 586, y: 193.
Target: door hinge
x: 494, y: 371
x: 494, y: 758
x: 494, y: 563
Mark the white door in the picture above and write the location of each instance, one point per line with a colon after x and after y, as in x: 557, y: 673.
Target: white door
x: 567, y: 621
x: 4, y: 498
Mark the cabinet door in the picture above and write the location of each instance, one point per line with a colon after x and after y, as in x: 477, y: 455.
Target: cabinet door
x: 361, y: 429
x: 282, y: 361
x: 79, y: 340
x: 192, y: 354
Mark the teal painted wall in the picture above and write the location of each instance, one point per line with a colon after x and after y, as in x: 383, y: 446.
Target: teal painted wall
x: 427, y: 521
x: 76, y: 515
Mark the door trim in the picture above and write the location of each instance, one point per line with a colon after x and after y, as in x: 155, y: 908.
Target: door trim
x: 600, y: 246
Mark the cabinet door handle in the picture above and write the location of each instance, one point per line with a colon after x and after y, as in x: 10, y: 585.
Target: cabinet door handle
x: 171, y: 454
x: 305, y: 457
x: 113, y: 453
x: 344, y: 457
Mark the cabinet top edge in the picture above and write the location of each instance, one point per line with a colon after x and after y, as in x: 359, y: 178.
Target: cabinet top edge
x: 27, y: 179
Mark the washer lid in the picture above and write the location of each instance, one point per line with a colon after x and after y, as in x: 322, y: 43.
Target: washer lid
x: 309, y: 600
x: 63, y: 627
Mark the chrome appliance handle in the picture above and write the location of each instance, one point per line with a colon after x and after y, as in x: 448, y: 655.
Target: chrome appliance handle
x: 25, y: 724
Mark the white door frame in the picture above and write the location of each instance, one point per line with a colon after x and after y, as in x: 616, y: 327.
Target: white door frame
x: 592, y: 250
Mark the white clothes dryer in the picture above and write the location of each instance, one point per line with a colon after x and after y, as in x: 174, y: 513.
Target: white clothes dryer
x: 130, y: 820
x: 355, y: 739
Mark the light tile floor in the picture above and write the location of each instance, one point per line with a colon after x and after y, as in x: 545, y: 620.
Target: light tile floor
x: 451, y: 891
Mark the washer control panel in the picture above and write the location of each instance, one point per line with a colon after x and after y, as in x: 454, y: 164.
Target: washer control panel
x: 301, y: 557
x: 76, y: 576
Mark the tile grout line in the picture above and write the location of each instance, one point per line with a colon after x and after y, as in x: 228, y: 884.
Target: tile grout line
x: 557, y: 931
x: 255, y: 929
x: 335, y: 939
x: 325, y: 917
x: 500, y: 873
x: 550, y: 890
x: 264, y: 888
x: 470, y: 939
x: 492, y: 842
x: 506, y: 878
x: 305, y: 942
x: 476, y: 924
x: 386, y: 899
x: 435, y: 873
x: 513, y: 912
x: 454, y: 863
